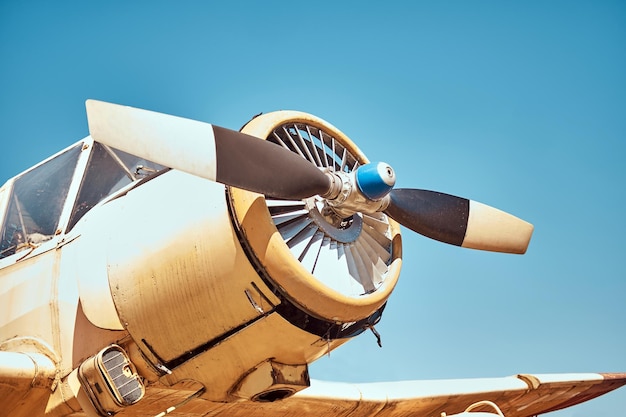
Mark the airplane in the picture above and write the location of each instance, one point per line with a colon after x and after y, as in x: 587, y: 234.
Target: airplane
x: 166, y: 266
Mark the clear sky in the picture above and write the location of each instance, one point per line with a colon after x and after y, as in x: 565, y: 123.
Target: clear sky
x: 520, y: 105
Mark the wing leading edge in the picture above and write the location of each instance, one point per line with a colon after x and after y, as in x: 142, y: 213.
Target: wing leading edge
x: 517, y: 396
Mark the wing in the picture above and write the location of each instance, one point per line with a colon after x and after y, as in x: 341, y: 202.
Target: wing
x: 517, y: 396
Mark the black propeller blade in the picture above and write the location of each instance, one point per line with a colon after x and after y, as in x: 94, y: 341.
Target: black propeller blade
x: 208, y: 151
x: 459, y: 221
x: 442, y: 217
x: 246, y: 162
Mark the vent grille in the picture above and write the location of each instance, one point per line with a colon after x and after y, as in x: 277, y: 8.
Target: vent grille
x: 122, y: 377
x: 110, y: 380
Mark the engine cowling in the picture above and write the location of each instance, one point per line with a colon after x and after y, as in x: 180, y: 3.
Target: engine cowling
x: 356, y: 266
x: 235, y: 290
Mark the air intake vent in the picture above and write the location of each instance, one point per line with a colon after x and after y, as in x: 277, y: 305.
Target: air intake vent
x: 111, y: 380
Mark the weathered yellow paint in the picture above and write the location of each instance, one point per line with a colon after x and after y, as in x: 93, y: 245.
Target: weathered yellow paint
x: 41, y: 317
x: 180, y: 285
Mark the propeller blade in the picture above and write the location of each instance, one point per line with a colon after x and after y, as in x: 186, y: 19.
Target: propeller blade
x: 208, y: 151
x: 459, y: 221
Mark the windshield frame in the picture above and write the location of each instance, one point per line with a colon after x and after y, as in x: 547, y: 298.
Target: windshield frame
x: 63, y: 233
x: 9, y: 192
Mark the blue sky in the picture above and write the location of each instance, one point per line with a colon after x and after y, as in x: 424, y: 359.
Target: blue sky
x: 517, y: 105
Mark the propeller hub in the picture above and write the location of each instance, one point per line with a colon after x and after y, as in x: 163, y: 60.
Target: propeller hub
x: 375, y: 180
x: 346, y: 196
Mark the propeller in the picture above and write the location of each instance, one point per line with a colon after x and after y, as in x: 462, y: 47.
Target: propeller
x: 243, y: 161
x: 205, y: 150
x: 443, y: 217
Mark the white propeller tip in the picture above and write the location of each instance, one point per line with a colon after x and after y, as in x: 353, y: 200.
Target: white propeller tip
x: 494, y: 230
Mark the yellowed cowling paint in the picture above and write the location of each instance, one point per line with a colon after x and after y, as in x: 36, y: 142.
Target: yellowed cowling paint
x: 183, y: 285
